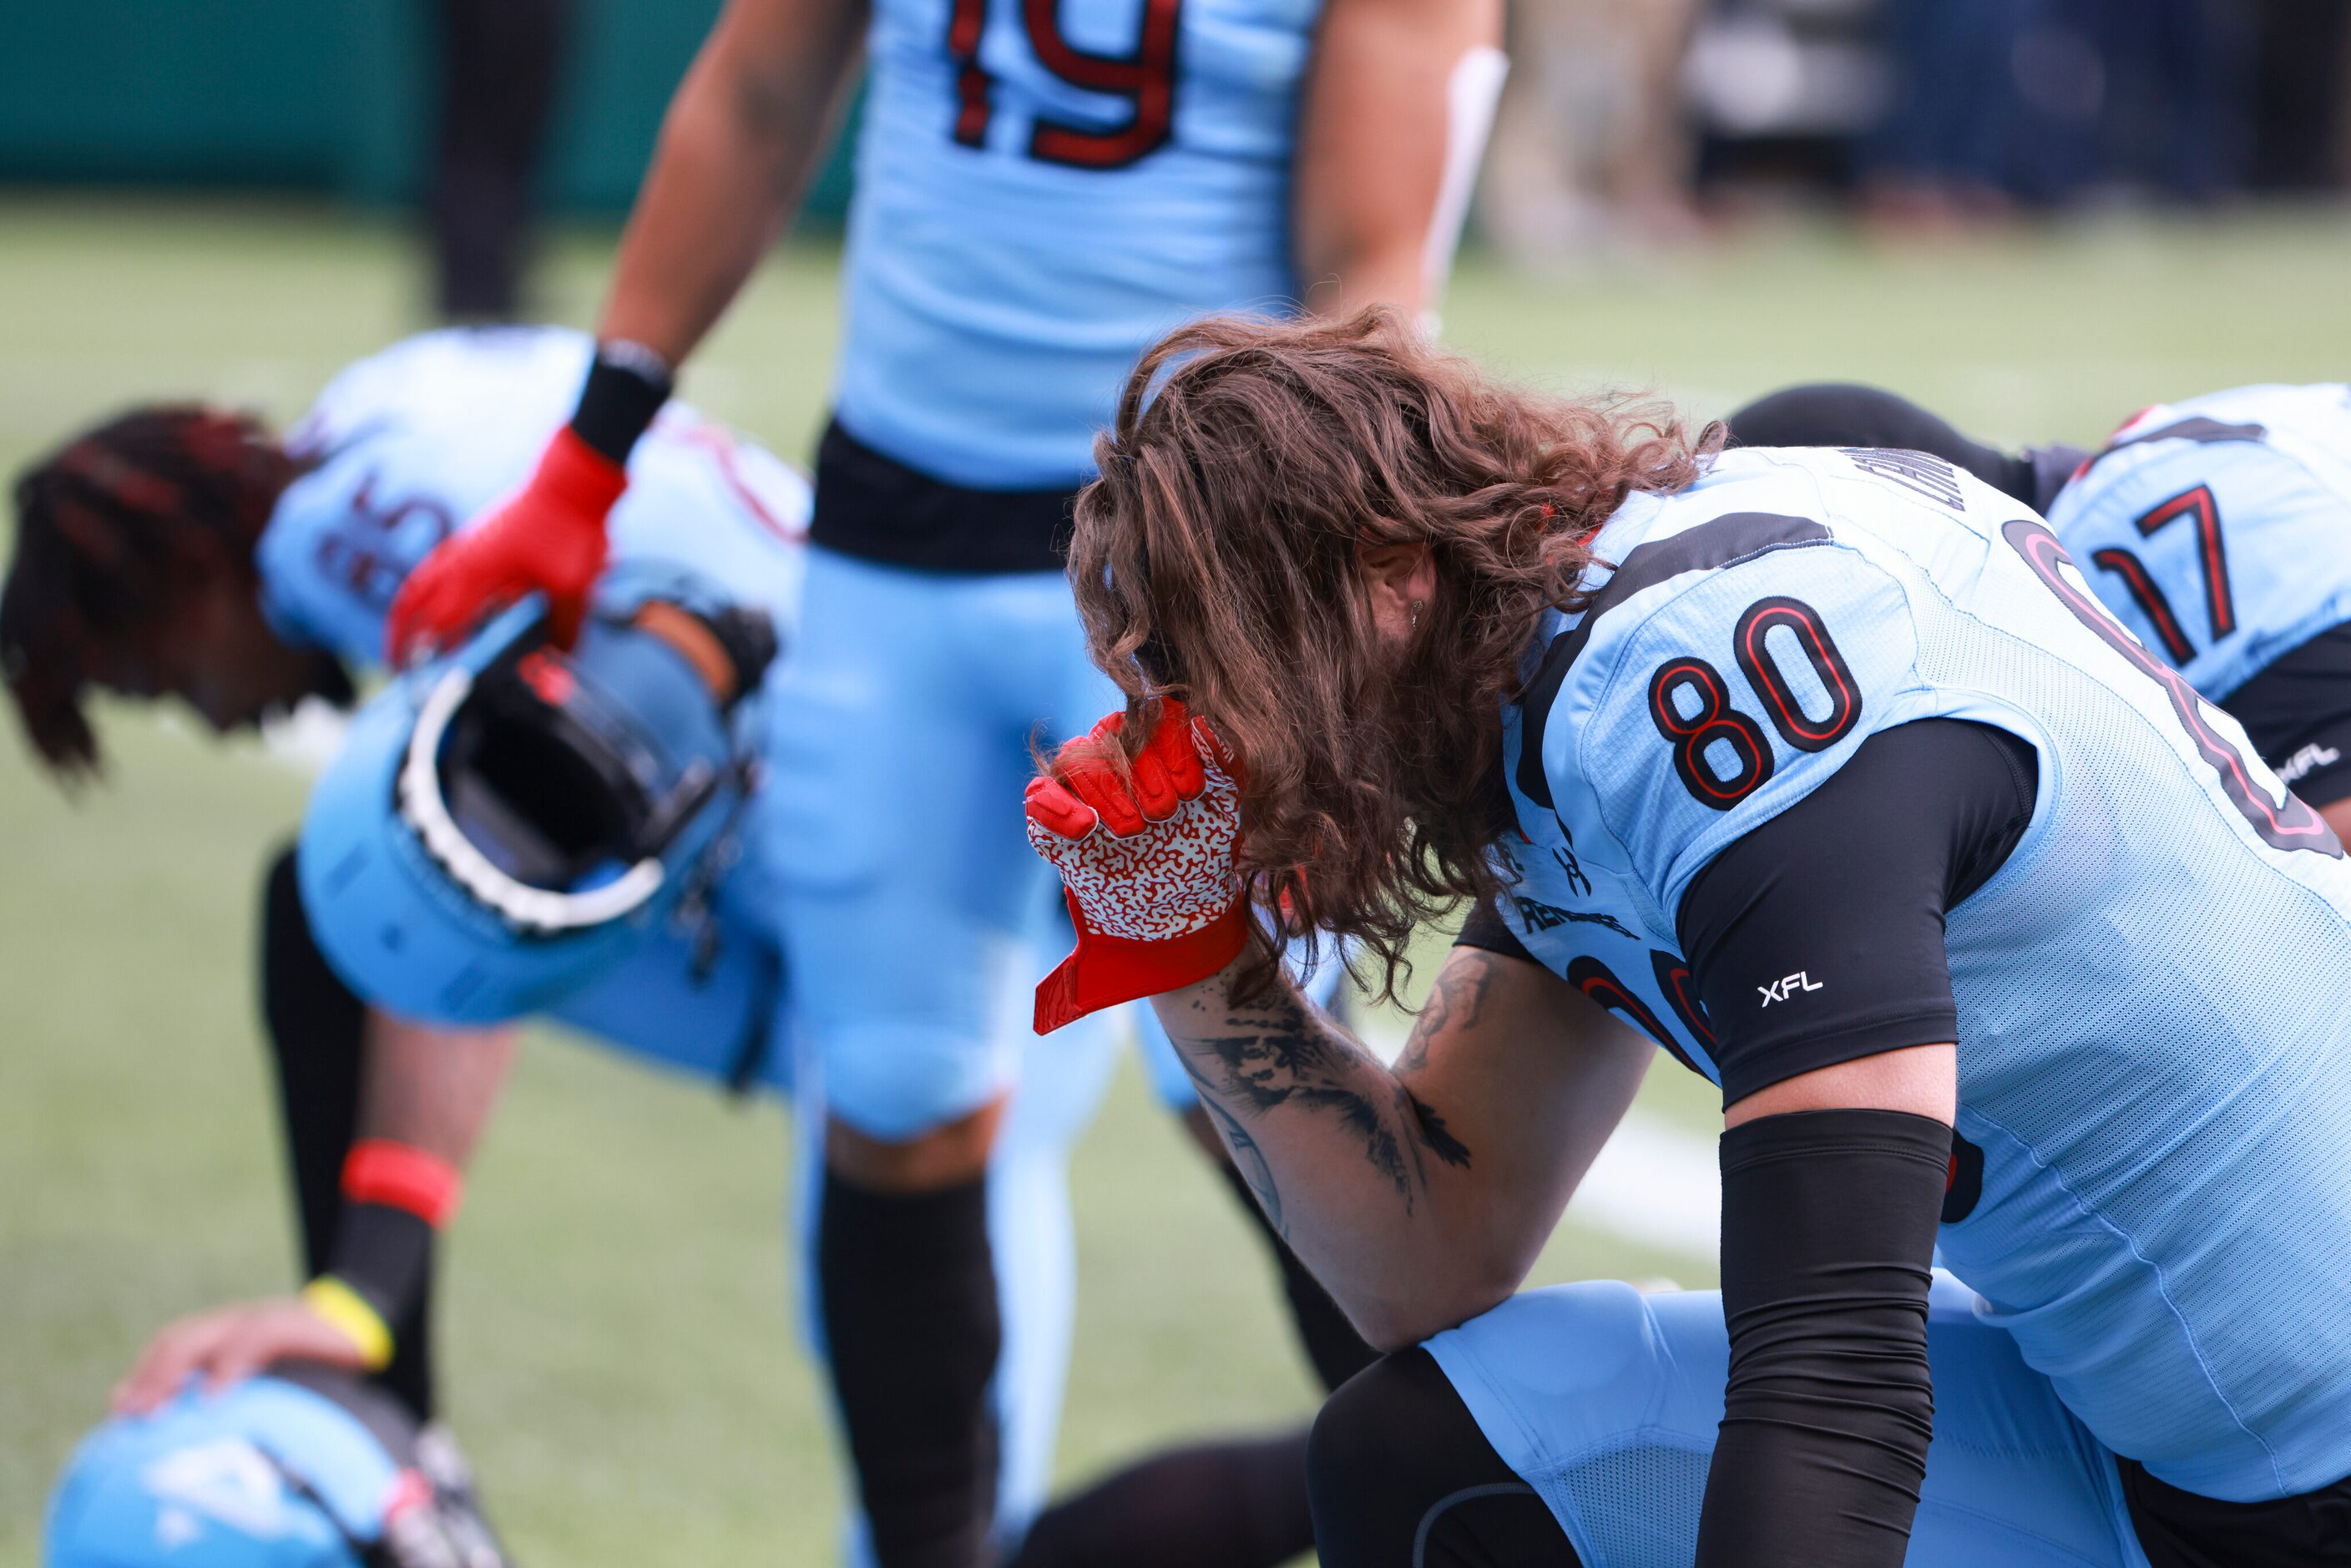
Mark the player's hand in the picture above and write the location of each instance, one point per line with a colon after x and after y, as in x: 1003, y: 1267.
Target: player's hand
x: 1147, y: 864
x: 230, y: 1345
x: 547, y: 537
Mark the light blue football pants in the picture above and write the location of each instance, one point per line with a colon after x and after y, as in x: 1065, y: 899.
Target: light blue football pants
x: 1606, y: 1403
x: 915, y: 919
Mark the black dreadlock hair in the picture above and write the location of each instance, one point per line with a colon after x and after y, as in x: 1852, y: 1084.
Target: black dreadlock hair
x: 106, y: 527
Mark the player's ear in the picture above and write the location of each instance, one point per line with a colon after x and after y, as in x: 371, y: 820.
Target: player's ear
x: 1399, y: 579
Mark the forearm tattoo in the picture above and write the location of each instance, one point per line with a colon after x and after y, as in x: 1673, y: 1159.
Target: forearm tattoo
x: 1457, y: 1000
x: 1248, y: 1159
x: 1251, y: 1060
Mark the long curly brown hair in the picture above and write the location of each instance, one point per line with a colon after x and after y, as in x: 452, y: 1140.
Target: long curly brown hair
x: 1217, y: 560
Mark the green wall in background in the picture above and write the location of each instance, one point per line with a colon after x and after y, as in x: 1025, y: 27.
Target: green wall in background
x: 330, y: 96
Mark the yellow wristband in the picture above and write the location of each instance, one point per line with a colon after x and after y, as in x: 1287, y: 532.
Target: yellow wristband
x: 349, y: 1310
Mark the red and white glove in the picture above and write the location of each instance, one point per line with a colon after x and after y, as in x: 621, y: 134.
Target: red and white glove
x: 547, y: 537
x: 1148, y: 872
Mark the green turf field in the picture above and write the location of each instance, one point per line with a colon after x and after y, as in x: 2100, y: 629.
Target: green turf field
x: 618, y: 1358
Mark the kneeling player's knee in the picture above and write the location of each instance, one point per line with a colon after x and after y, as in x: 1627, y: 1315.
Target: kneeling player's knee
x: 1370, y: 1435
x: 898, y: 1083
x: 1399, y: 1474
x: 950, y: 1155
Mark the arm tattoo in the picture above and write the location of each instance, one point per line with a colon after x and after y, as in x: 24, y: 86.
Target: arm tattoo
x: 1248, y: 1158
x: 1457, y: 998
x: 1286, y: 1055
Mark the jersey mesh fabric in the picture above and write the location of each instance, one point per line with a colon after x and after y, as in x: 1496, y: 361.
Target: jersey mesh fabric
x: 2152, y: 1042
x: 2164, y: 1221
x: 1638, y: 1505
x: 2276, y: 463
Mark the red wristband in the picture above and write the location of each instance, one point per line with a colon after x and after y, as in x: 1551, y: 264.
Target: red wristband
x: 399, y: 1175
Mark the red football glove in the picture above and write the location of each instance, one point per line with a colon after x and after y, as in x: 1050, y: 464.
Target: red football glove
x: 1148, y: 872
x: 547, y: 537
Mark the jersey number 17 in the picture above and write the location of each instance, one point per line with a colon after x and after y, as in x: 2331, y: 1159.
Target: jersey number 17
x: 2210, y: 554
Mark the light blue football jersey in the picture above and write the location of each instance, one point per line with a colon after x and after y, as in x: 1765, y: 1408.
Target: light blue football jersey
x: 1043, y: 191
x: 2155, y: 1051
x: 412, y: 442
x: 2218, y: 529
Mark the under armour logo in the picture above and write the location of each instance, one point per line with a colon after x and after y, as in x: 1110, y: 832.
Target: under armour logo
x: 1779, y: 991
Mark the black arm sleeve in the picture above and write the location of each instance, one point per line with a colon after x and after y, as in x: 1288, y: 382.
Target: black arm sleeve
x: 2297, y: 713
x: 2053, y: 467
x: 1836, y: 414
x: 1818, y: 937
x: 1828, y: 1232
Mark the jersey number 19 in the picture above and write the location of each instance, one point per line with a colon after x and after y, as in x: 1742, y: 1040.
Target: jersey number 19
x: 1144, y: 77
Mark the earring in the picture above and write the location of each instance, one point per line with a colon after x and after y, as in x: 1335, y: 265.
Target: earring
x: 1416, y: 614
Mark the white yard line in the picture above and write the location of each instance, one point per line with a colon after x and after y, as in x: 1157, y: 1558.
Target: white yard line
x: 1657, y: 1184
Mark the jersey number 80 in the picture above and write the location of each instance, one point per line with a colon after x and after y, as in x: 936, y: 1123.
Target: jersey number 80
x: 1721, y: 754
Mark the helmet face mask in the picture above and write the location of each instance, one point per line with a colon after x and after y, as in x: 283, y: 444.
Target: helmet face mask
x: 549, y: 795
x: 503, y: 823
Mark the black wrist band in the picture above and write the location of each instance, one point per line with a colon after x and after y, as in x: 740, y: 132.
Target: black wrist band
x: 625, y: 389
x: 383, y: 1253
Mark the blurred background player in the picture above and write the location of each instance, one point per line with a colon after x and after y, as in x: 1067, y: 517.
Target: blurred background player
x: 182, y: 552
x: 179, y: 552
x: 1038, y: 195
x: 2212, y: 527
x: 501, y: 66
x: 1592, y: 149
x: 1622, y: 119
